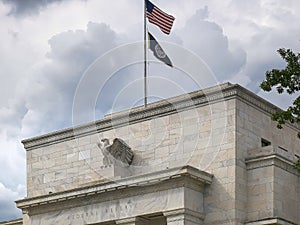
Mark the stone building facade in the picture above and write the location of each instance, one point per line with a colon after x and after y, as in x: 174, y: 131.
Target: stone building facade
x: 209, y: 157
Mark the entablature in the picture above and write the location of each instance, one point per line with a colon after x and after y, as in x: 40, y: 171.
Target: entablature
x: 167, y: 179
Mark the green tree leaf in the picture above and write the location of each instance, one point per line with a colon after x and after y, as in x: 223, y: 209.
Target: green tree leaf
x: 286, y: 80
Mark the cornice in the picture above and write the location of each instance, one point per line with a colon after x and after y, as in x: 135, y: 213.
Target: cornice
x: 201, y: 177
x: 169, y: 106
x: 272, y: 160
x: 12, y: 222
x: 261, y: 104
x: 271, y: 221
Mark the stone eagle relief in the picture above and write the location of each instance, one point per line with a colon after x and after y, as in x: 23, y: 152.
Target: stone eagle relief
x: 117, y: 151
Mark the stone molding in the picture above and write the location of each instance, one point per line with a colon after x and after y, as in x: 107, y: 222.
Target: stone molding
x: 184, y: 214
x: 269, y: 150
x: 201, y: 177
x: 271, y: 160
x: 271, y: 221
x: 165, y: 107
x: 12, y: 222
x: 131, y: 220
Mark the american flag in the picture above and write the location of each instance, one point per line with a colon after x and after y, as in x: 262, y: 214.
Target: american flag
x: 156, y: 16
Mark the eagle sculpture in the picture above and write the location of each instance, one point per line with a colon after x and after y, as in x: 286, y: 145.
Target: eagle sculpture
x: 117, y: 151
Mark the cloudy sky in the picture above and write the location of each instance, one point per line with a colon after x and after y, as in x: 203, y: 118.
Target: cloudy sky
x: 65, y: 62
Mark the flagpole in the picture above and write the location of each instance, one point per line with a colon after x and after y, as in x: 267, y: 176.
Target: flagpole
x: 145, y: 57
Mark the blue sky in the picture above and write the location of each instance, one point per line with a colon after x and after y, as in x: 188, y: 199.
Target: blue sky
x: 48, y: 49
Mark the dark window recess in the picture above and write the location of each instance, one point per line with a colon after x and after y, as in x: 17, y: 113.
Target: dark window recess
x: 265, y: 142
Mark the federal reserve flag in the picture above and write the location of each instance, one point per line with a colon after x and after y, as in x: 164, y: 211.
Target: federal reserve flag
x: 158, y: 51
x: 156, y: 16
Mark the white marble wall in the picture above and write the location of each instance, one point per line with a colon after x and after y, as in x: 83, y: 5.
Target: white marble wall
x: 258, y: 187
x: 216, y: 138
x: 164, y: 142
x: 203, y: 137
x: 115, y: 209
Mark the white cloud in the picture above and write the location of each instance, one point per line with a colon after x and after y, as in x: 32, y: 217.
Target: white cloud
x: 12, y: 161
x: 280, y: 100
x: 209, y: 42
x: 37, y: 89
x: 19, y: 8
x: 7, y: 206
x: 260, y: 28
x: 49, y: 102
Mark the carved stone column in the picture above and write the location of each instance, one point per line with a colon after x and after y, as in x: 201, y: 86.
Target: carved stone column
x: 183, y: 217
x: 132, y: 221
x: 25, y: 217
